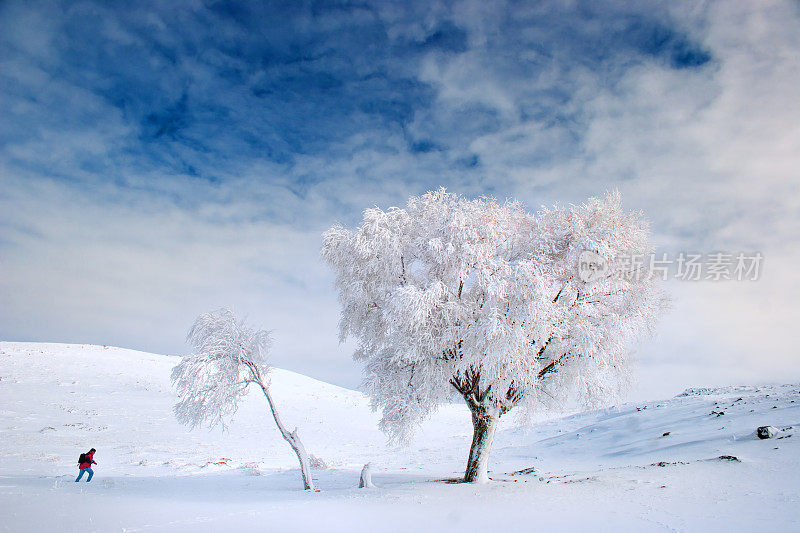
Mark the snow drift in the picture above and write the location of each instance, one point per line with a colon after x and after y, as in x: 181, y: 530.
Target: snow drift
x: 693, y: 462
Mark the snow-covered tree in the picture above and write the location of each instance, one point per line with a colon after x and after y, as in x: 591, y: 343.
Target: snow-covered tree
x: 228, y: 357
x: 486, y: 298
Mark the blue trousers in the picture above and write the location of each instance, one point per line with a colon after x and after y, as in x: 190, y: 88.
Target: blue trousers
x: 88, y: 469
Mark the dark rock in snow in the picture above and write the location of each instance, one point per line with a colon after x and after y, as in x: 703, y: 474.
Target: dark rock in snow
x: 766, y: 432
x: 731, y: 458
x: 665, y: 434
x: 662, y: 464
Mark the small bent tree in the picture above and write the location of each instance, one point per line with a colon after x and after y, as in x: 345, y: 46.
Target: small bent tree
x: 228, y: 357
x: 487, y: 299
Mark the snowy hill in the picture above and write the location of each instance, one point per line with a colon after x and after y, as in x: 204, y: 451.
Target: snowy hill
x: 651, y: 466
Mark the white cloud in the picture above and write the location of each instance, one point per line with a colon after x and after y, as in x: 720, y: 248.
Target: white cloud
x: 107, y: 238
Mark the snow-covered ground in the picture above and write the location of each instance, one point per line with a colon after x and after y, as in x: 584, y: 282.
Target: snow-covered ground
x: 638, y: 467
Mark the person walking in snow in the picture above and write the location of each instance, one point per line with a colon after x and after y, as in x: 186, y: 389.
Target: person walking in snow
x: 86, y: 461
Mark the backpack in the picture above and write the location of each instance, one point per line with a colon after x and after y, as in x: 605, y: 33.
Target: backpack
x: 82, y: 459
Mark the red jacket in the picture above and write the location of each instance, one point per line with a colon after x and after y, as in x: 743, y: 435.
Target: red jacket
x: 88, y: 461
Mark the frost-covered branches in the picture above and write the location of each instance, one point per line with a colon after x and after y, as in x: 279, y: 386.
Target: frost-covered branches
x: 228, y: 356
x: 485, y: 298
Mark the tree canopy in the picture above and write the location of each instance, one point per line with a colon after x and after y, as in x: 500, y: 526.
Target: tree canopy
x: 484, y: 297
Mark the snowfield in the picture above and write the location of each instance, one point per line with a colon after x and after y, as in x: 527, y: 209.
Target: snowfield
x: 690, y: 463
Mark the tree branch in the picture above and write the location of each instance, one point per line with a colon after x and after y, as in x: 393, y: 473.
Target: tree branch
x: 551, y: 366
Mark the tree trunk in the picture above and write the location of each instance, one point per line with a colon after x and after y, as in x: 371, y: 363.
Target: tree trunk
x: 484, y: 422
x: 366, y: 477
x: 293, y: 440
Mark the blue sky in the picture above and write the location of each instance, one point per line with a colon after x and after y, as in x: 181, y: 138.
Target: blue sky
x: 158, y: 160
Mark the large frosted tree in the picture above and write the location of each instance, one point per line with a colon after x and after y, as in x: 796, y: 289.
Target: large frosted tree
x: 486, y: 299
x: 228, y: 357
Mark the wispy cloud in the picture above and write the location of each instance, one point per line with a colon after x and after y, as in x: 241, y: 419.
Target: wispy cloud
x: 157, y: 161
